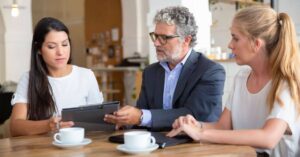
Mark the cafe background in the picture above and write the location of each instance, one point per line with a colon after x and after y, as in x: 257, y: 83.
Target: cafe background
x: 111, y: 37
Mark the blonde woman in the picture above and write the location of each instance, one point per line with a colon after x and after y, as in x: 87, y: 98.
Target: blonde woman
x: 262, y: 110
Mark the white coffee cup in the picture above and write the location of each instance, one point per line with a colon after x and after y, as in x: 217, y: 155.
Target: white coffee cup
x: 73, y: 135
x: 138, y: 139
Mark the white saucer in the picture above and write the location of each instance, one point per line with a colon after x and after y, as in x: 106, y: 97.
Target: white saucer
x: 61, y: 145
x: 147, y: 150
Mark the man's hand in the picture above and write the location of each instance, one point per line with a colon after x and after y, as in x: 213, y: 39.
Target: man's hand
x: 127, y: 115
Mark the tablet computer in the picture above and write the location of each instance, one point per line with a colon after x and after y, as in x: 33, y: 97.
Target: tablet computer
x: 91, y: 117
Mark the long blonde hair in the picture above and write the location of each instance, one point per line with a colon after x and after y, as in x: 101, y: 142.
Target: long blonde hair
x: 278, y: 32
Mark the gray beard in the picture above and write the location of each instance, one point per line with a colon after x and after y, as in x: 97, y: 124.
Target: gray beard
x: 175, y: 57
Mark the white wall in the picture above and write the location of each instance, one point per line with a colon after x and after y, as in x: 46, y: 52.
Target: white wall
x: 130, y: 27
x: 2, y: 49
x: 290, y: 7
x: 135, y: 31
x: 222, y: 14
x: 17, y: 41
x: 144, y: 9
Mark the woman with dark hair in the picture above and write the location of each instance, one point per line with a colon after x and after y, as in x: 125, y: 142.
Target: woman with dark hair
x: 51, y: 84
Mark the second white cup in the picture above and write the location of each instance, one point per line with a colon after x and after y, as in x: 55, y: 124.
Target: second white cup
x: 73, y: 135
x: 138, y: 140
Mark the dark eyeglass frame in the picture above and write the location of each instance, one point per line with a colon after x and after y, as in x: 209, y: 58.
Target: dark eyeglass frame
x: 163, y: 39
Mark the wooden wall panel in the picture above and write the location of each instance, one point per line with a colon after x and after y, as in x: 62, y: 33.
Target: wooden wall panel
x: 101, y: 16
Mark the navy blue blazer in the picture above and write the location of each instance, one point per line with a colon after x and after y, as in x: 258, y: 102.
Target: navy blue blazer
x: 198, y: 92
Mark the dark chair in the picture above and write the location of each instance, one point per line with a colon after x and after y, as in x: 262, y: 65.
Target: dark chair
x: 5, y: 106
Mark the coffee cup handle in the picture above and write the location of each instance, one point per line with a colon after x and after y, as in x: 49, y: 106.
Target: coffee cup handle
x: 55, y: 137
x: 152, y: 140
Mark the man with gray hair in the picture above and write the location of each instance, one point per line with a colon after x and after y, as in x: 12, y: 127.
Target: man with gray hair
x: 182, y: 82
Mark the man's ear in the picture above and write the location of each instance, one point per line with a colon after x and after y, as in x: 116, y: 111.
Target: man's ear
x: 187, y: 40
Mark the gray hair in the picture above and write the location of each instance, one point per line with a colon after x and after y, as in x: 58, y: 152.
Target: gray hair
x: 180, y: 17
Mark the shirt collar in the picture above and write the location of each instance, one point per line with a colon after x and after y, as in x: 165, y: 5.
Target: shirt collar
x: 186, y: 57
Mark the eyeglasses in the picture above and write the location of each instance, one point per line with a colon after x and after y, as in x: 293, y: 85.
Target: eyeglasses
x: 161, y: 38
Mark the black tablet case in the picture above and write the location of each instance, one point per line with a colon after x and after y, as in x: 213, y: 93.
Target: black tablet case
x: 161, y: 139
x: 91, y: 117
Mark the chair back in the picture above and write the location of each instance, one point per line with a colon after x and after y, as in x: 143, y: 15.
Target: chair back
x: 5, y: 106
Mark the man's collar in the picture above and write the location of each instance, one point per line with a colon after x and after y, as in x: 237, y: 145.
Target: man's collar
x: 186, y: 57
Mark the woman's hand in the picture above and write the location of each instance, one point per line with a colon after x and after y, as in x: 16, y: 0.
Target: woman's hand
x: 187, y: 124
x: 55, y: 124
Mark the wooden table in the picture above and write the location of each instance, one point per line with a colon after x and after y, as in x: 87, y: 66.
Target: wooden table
x: 41, y: 146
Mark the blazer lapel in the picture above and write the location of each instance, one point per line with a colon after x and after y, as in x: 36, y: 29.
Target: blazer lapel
x: 159, y: 87
x: 186, y: 72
